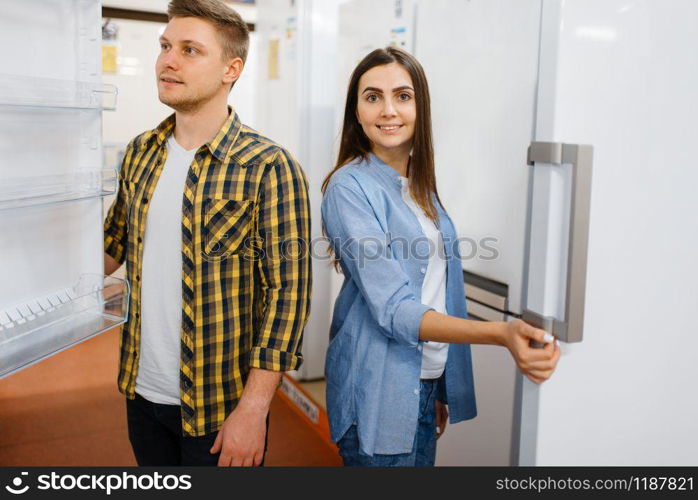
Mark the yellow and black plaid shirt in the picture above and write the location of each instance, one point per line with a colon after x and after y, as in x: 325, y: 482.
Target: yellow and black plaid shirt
x: 246, y: 273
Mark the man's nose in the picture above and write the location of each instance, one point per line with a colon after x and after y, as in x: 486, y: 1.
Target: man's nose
x: 169, y: 60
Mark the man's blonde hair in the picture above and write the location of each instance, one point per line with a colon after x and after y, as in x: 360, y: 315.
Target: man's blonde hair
x: 232, y: 30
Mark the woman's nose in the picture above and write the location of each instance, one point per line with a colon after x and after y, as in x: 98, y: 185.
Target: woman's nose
x: 388, y: 108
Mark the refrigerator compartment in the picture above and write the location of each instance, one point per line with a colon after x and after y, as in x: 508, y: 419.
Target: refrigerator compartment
x: 59, y: 38
x: 47, y: 190
x: 26, y: 91
x: 40, y: 328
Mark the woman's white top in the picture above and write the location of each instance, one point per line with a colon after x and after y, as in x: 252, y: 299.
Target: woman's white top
x: 434, y: 354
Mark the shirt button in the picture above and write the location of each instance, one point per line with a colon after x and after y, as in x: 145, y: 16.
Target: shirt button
x: 416, y: 391
x: 145, y: 200
x: 423, y: 270
x: 419, y: 347
x: 140, y: 240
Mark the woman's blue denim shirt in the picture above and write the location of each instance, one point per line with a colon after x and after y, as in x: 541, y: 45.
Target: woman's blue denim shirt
x: 374, y: 358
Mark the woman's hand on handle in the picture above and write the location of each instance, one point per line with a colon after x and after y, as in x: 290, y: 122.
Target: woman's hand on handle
x: 538, y: 364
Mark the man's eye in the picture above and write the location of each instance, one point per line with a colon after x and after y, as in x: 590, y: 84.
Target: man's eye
x: 164, y: 46
x: 190, y: 50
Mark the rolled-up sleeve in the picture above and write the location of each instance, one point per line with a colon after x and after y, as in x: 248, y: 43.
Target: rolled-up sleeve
x: 284, y: 267
x: 115, y: 224
x: 363, y: 249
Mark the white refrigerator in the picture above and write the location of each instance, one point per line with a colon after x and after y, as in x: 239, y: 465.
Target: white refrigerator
x: 52, y: 182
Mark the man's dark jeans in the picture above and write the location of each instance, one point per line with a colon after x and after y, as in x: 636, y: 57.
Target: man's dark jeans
x: 155, y: 432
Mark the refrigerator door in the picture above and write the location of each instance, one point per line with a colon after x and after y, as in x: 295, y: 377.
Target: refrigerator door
x: 621, y: 76
x: 52, y: 181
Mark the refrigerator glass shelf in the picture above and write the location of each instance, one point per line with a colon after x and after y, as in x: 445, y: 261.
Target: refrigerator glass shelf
x: 46, y: 190
x: 40, y: 328
x: 24, y: 91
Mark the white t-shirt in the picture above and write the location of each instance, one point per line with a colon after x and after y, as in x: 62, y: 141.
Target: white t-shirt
x: 434, y: 354
x: 161, y: 282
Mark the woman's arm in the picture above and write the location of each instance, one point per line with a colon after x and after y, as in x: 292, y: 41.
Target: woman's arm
x: 363, y: 247
x: 360, y: 242
x: 538, y: 364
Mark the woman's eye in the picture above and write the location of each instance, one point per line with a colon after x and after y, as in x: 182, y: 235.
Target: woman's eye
x: 372, y: 98
x: 404, y: 96
x: 164, y: 46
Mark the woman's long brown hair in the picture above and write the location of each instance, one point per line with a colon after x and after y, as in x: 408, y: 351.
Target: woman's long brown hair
x: 354, y: 143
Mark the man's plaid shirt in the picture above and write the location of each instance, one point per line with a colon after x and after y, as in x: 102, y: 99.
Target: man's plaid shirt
x: 246, y: 273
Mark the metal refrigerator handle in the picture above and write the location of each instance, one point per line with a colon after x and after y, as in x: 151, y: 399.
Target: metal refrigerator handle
x: 571, y: 327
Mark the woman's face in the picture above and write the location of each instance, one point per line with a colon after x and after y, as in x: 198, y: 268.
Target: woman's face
x: 386, y: 108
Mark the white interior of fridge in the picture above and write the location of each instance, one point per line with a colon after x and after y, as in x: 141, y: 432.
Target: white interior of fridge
x: 52, y: 182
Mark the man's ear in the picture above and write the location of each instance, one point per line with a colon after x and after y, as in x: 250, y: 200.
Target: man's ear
x: 233, y: 70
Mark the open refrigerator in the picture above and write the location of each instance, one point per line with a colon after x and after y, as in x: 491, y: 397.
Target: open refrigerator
x: 52, y: 182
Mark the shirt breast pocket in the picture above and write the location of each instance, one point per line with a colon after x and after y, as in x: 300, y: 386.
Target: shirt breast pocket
x: 227, y: 224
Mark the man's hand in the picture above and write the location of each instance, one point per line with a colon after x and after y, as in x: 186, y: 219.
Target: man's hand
x: 240, y: 440
x: 538, y: 364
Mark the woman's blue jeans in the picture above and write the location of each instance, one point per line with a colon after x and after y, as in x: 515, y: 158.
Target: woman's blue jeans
x: 423, y: 452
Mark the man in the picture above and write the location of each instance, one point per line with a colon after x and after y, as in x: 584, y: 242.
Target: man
x: 205, y: 214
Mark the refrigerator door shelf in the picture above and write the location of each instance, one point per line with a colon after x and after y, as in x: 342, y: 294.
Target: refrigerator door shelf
x: 25, y: 91
x: 37, y: 329
x: 580, y: 157
x: 48, y: 190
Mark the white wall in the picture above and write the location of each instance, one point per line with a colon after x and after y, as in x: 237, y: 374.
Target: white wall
x: 247, y: 11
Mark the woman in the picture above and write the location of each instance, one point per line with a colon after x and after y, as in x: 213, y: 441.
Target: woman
x: 399, y: 348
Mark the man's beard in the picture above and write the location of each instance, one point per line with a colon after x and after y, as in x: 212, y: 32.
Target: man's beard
x: 188, y: 104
